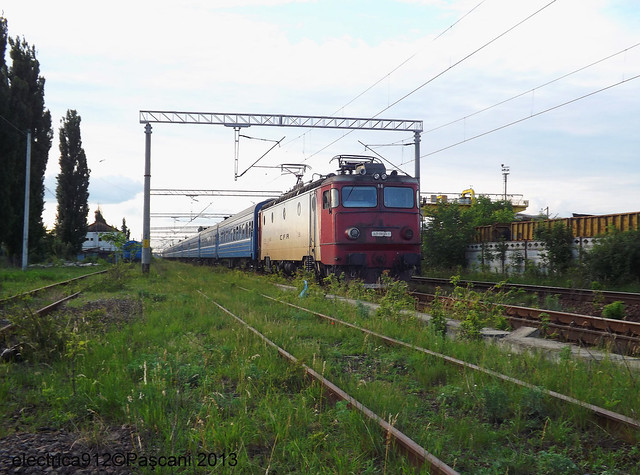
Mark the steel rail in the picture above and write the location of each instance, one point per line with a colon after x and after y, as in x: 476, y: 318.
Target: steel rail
x: 45, y: 310
x: 50, y: 286
x: 605, y: 414
x: 415, y: 452
x: 595, y: 330
x: 576, y: 294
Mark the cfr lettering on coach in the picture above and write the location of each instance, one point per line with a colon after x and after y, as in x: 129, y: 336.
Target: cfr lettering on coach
x: 284, y: 236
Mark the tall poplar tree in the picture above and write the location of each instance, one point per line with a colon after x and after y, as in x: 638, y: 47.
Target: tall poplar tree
x: 72, y: 190
x: 8, y: 135
x: 22, y: 106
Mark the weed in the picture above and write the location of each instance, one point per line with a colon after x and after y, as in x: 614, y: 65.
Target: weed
x: 115, y: 278
x: 565, y: 354
x: 496, y: 403
x: 450, y: 396
x: 532, y: 405
x: 552, y: 302
x: 614, y: 310
x: 395, y: 299
x: 438, y: 320
x: 555, y: 464
x: 471, y: 325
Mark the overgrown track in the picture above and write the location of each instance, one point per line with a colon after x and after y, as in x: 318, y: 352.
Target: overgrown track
x: 620, y: 335
x: 417, y: 454
x: 33, y: 292
x: 48, y: 297
x: 575, y: 295
x: 620, y: 422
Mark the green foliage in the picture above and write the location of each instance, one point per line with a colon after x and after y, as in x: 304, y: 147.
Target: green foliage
x: 446, y: 236
x: 615, y: 257
x: 450, y: 229
x: 438, y: 320
x: 484, y: 211
x: 116, y: 277
x: 188, y: 378
x: 22, y: 106
x: 42, y: 338
x: 72, y: 191
x: 614, y: 310
x: 395, y: 299
x: 496, y: 403
x: 476, y: 310
x: 558, y: 240
x: 553, y: 463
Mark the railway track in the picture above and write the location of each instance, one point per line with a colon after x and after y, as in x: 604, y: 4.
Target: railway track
x: 48, y: 298
x: 622, y: 422
x: 418, y: 455
x: 4, y: 302
x: 619, y: 335
x: 625, y: 427
x: 575, y: 295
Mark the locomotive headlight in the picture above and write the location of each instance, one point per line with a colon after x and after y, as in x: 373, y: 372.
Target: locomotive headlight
x: 376, y: 176
x: 352, y: 233
x: 406, y: 233
x: 383, y: 176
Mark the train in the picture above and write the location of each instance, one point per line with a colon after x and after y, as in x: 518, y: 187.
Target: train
x: 360, y: 222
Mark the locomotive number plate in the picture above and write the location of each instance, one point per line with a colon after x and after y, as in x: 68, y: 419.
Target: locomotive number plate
x: 381, y: 233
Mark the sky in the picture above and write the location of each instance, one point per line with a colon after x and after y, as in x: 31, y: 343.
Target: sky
x: 547, y: 88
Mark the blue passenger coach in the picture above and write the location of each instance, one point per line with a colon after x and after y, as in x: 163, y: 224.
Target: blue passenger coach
x: 233, y: 241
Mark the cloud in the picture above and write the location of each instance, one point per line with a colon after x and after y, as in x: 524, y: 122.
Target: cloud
x: 113, y: 189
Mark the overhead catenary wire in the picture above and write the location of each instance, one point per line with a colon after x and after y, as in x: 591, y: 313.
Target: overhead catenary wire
x: 564, y: 76
x: 531, y: 116
x: 405, y: 142
x: 396, y: 68
x: 444, y: 71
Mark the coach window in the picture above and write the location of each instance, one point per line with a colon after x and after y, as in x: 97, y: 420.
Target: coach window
x: 284, y: 213
x: 398, y: 197
x: 359, y: 196
x: 299, y: 208
x: 272, y: 216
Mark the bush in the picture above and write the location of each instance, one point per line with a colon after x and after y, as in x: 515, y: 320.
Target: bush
x: 614, y: 310
x: 615, y: 258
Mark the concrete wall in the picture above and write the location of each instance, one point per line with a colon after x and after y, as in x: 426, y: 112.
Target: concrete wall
x: 515, y: 254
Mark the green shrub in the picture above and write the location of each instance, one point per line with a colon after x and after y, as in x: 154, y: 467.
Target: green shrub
x: 614, y: 310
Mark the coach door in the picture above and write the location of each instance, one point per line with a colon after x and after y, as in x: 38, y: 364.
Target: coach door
x: 314, y: 249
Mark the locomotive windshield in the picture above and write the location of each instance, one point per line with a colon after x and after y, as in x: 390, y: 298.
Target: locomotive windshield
x: 398, y: 197
x: 359, y: 197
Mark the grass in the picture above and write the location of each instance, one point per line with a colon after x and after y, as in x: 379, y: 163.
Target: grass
x: 189, y: 380
x: 14, y: 281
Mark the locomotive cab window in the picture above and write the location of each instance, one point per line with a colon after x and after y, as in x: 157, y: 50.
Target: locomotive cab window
x: 330, y: 199
x: 398, y: 197
x: 359, y: 196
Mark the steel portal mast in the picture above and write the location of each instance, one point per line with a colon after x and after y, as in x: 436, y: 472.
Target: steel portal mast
x: 238, y: 121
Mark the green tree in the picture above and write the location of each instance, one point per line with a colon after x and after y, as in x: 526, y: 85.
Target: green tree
x: 484, y: 211
x: 8, y: 138
x: 22, y: 106
x: 72, y: 190
x: 615, y: 257
x: 446, y: 236
x: 125, y: 230
x: 451, y: 227
x: 558, y: 241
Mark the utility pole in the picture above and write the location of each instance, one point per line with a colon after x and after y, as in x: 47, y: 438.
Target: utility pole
x: 146, y: 218
x: 505, y: 174
x: 27, y: 184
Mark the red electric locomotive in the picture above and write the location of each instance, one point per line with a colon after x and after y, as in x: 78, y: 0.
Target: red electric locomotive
x: 360, y: 222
